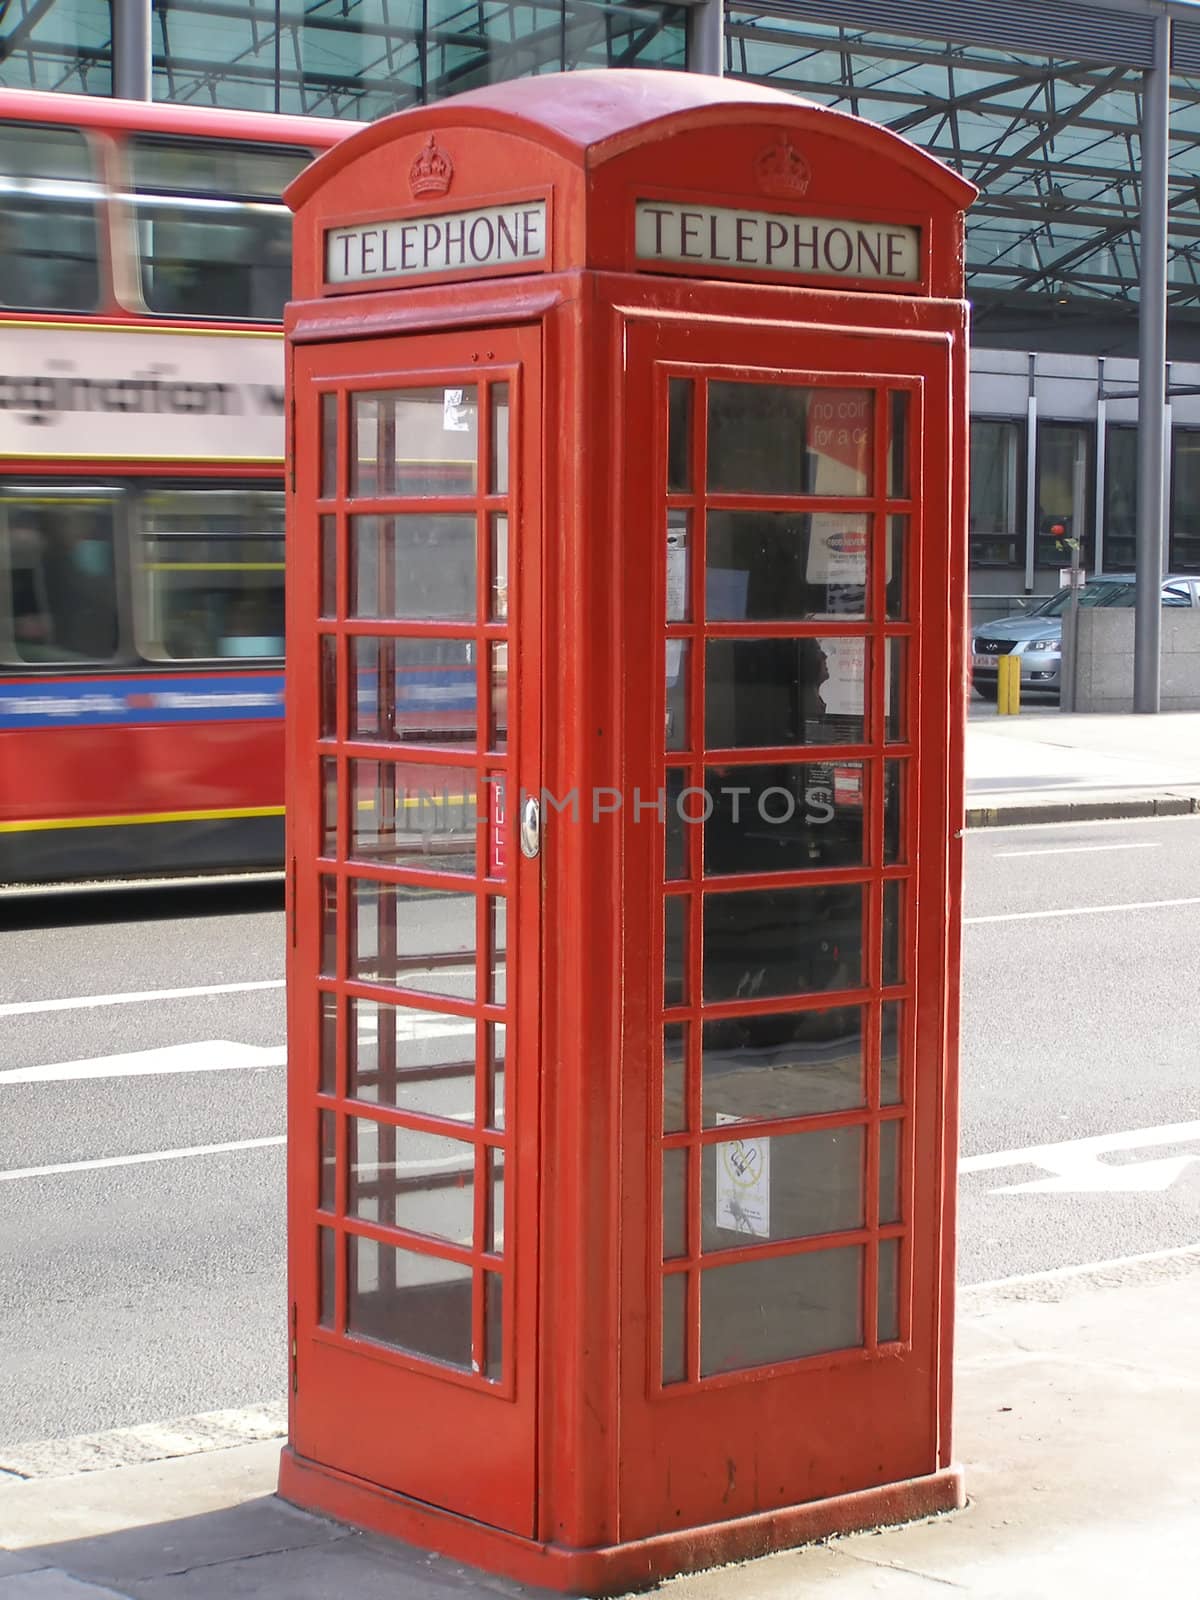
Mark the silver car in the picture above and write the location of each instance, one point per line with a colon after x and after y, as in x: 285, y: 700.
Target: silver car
x: 1036, y: 636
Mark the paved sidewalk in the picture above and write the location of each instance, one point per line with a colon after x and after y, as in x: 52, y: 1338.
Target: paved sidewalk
x: 1044, y: 766
x: 1077, y: 1420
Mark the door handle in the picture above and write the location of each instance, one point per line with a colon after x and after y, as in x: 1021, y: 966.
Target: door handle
x: 531, y: 829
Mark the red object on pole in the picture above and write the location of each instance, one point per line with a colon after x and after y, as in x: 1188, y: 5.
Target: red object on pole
x: 625, y: 741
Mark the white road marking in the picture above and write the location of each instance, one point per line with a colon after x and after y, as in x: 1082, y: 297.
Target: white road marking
x: 1076, y: 1168
x: 201, y: 1055
x: 1073, y: 850
x: 1182, y: 1254
x: 28, y: 1008
x: 1084, y: 911
x: 141, y: 1159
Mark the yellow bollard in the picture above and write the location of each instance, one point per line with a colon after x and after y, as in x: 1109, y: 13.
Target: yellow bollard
x: 1008, y: 686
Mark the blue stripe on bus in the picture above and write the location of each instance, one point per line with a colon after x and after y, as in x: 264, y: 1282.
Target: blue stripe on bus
x: 122, y: 702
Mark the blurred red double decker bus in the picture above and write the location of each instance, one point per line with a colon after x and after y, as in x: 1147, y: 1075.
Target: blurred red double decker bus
x: 145, y: 258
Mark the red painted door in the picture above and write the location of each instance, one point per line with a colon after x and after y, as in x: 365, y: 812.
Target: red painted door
x: 783, y: 1263
x: 413, y: 977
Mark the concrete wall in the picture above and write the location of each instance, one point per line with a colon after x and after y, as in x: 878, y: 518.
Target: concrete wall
x: 1105, y: 680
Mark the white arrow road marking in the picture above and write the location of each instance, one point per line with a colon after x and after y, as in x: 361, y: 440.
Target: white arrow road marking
x: 1076, y: 1168
x: 137, y: 997
x: 138, y: 1160
x: 201, y: 1055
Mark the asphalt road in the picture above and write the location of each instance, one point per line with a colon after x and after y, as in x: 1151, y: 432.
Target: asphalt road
x: 145, y: 1291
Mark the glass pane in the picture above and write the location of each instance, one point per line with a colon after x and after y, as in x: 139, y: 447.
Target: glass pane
x: 327, y: 1184
x: 897, y: 566
x: 404, y: 1179
x: 329, y: 679
x: 679, y: 566
x: 899, y: 400
x: 1064, y: 483
x: 889, y: 1058
x: 413, y: 690
x: 493, y: 1326
x: 49, y: 205
x: 789, y: 1065
x: 889, y: 1173
x: 674, y: 1327
x: 895, y: 690
x: 679, y: 434
x: 232, y: 259
x: 762, y: 942
x: 675, y: 958
x: 497, y: 950
x: 329, y: 566
x: 675, y: 1111
x: 755, y: 1313
x: 210, y: 580
x: 329, y: 442
x: 784, y: 691
x: 996, y: 451
x: 62, y: 580
x: 888, y: 1321
x: 414, y: 442
x: 675, y: 814
x: 329, y: 927
x: 783, y: 818
x: 417, y: 1061
x: 499, y: 601
x: 1120, y: 499
x: 674, y: 1203
x: 496, y: 1048
x: 328, y: 1289
x: 777, y: 439
x: 417, y: 816
x: 495, y: 1205
x: 416, y: 1303
x: 786, y: 566
x: 419, y: 939
x: 893, y: 933
x: 329, y: 806
x: 498, y: 696
x: 327, y: 1045
x: 789, y: 1186
x: 676, y: 731
x: 419, y: 567
x: 893, y: 812
x: 500, y: 439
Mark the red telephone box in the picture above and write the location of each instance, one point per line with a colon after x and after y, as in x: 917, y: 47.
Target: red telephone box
x: 625, y: 715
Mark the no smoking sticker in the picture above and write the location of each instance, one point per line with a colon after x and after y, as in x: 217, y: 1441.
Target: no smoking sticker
x: 743, y: 1187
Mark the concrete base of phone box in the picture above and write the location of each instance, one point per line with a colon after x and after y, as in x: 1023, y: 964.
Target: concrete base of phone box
x: 609, y: 1569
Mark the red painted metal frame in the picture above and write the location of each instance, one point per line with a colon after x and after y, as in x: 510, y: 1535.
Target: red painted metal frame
x: 344, y: 1384
x: 631, y: 1480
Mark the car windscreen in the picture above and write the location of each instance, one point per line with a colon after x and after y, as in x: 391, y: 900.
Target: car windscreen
x: 1091, y: 594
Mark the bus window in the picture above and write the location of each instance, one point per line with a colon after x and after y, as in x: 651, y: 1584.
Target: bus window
x: 214, y: 238
x: 48, y: 220
x: 209, y: 574
x: 59, y: 588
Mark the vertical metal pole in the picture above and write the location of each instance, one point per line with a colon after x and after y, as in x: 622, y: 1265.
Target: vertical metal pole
x: 1152, y: 360
x: 132, y: 31
x: 1031, y: 414
x: 1101, y: 479
x: 706, y: 37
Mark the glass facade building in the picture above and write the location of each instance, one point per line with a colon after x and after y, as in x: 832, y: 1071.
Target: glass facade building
x: 1038, y: 102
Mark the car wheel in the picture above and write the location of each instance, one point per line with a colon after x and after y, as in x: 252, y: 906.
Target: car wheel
x: 989, y: 691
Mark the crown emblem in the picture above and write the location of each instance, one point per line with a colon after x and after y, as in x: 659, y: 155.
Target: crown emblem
x: 432, y: 172
x: 782, y: 170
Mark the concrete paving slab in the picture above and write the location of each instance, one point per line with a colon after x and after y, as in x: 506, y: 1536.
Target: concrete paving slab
x: 51, y: 1584
x: 1043, y: 768
x: 48, y: 1512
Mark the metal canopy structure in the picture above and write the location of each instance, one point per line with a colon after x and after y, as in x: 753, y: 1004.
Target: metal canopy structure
x: 1052, y: 139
